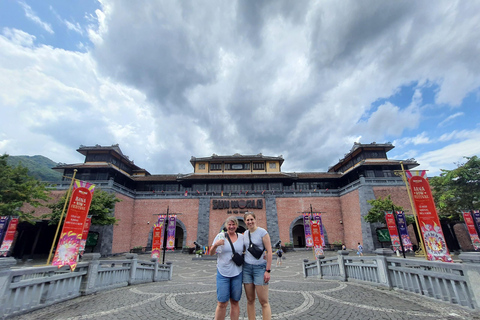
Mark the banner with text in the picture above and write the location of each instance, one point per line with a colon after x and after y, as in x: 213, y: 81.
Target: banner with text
x: 392, y: 230
x: 317, y: 237
x: 69, y: 243
x: 470, y: 223
x: 402, y: 228
x: 9, y: 236
x: 157, y: 240
x: 308, y: 232
x: 172, y: 224
x: 476, y: 219
x: 430, y: 226
x: 317, y: 217
x: 86, y: 228
x: 3, y: 226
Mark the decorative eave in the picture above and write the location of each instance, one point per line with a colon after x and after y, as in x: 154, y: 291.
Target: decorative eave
x: 236, y: 157
x: 358, y: 148
x: 248, y: 176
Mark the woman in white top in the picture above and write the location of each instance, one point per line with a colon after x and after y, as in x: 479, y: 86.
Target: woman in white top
x: 229, y: 275
x: 256, y: 272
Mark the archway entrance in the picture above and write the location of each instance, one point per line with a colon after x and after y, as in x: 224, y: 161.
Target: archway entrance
x: 298, y: 235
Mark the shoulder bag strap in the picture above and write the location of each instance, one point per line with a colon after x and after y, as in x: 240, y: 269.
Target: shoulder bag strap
x: 250, y: 239
x: 233, y: 249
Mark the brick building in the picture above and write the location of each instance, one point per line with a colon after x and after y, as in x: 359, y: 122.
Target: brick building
x: 231, y: 185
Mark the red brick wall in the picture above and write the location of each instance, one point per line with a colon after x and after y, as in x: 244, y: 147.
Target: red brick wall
x: 350, y: 205
x: 289, y: 209
x: 399, y: 196
x: 137, y: 219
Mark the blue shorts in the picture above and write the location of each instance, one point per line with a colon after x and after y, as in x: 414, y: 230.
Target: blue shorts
x: 253, y: 273
x: 229, y: 288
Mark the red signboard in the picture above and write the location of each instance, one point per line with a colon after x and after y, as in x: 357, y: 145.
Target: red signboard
x: 86, y: 228
x: 471, y: 229
x: 430, y: 227
x: 157, y: 240
x: 9, y: 236
x: 69, y: 243
x: 316, y: 237
x: 392, y: 229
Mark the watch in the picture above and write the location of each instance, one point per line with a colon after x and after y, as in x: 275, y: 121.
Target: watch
x: 268, y: 270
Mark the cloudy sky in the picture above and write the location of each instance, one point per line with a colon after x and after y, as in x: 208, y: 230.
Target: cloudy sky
x: 168, y: 80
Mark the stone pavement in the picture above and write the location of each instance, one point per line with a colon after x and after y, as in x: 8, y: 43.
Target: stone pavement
x: 192, y: 295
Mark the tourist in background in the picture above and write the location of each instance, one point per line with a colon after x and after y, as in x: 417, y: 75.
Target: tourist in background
x: 256, y: 270
x: 229, y: 275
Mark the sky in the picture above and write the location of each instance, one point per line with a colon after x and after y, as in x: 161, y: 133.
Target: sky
x: 168, y: 80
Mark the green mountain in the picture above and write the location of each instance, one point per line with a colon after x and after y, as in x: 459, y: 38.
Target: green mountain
x: 39, y: 167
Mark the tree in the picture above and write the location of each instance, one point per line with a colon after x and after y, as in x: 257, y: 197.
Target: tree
x: 101, y: 208
x: 458, y: 189
x: 379, y: 206
x: 18, y: 188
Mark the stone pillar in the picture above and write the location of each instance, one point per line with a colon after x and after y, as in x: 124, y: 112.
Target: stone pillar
x: 341, y: 264
x: 133, y: 267
x: 471, y: 268
x: 171, y: 270
x: 382, y: 266
x: 5, y: 274
x: 88, y: 282
x: 155, y: 269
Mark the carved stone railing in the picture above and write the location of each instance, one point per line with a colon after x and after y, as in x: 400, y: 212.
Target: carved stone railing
x: 27, y: 289
x: 456, y: 283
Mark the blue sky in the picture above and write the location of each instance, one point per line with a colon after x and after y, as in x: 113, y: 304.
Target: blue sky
x: 167, y: 80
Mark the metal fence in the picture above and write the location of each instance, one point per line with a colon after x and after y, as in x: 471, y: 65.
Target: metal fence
x: 456, y: 283
x: 27, y: 289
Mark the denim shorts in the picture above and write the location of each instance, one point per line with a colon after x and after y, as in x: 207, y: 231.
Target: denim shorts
x: 229, y: 288
x: 253, y: 273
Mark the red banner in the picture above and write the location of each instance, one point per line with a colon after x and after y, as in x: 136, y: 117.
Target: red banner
x: 69, y: 243
x: 316, y: 237
x: 471, y: 229
x: 157, y: 240
x: 86, y: 227
x: 9, y: 236
x: 392, y: 229
x: 432, y: 233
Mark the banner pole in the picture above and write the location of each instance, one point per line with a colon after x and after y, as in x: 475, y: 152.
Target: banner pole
x: 420, y: 241
x: 61, y: 216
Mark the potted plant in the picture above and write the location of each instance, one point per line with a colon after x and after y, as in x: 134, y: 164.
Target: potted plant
x: 336, y: 245
x: 137, y: 249
x: 288, y: 247
x: 199, y: 253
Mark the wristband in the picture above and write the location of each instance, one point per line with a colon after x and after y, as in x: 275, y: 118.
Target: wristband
x: 268, y: 271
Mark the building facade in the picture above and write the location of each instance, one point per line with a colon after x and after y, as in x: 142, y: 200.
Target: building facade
x: 221, y: 186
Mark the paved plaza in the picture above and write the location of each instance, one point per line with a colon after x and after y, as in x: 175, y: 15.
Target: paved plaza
x: 192, y: 295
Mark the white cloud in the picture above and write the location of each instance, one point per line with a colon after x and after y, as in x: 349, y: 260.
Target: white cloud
x: 30, y: 14
x: 450, y: 118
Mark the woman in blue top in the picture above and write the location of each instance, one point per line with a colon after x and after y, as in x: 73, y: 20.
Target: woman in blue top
x: 229, y: 275
x: 256, y: 272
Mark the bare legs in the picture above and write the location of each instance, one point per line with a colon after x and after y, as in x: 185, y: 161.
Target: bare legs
x: 221, y: 310
x: 262, y: 293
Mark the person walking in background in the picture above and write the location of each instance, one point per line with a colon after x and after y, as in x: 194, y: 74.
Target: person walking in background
x: 279, y: 256
x: 229, y: 275
x: 359, y: 249
x: 256, y: 270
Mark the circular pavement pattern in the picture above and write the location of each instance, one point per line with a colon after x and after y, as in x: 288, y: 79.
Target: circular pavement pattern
x: 192, y: 295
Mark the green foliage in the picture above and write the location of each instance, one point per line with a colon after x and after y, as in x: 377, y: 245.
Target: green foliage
x: 101, y: 208
x: 379, y: 206
x: 18, y: 188
x: 38, y: 167
x: 458, y: 189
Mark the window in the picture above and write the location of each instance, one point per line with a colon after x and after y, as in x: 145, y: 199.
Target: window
x: 201, y: 166
x: 258, y: 166
x: 237, y: 166
x: 272, y: 165
x: 216, y: 166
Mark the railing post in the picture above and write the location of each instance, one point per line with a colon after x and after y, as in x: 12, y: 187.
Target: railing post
x: 88, y: 282
x: 305, y: 261
x: 155, y: 269
x: 169, y: 264
x: 382, y: 266
x: 471, y: 268
x: 133, y: 267
x: 341, y: 264
x: 5, y: 273
x: 319, y: 266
